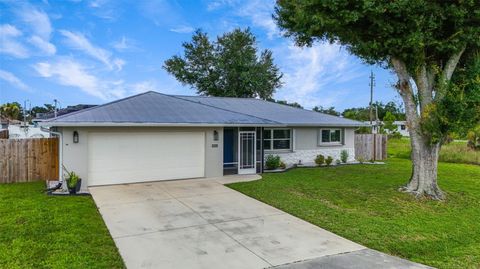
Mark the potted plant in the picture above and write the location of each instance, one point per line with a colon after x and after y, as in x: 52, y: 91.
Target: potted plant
x: 73, y: 182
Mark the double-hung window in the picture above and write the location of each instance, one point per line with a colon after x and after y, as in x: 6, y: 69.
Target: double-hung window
x: 330, y: 137
x: 277, y: 139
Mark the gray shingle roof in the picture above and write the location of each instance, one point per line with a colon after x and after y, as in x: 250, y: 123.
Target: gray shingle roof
x: 152, y: 108
x: 155, y: 109
x: 276, y: 112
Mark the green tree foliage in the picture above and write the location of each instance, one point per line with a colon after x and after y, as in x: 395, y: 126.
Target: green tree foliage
x: 459, y: 112
x: 330, y: 110
x: 12, y: 111
x: 42, y: 109
x: 284, y: 102
x: 474, y: 138
x: 363, y: 113
x: 388, y: 125
x: 422, y: 41
x: 230, y: 66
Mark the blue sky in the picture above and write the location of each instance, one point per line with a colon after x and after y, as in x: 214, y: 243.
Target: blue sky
x: 101, y: 50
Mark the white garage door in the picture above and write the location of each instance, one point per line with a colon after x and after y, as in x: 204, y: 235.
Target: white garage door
x: 124, y: 157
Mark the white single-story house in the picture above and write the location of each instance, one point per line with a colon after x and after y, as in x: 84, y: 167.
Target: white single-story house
x: 402, y: 127
x: 154, y: 136
x: 19, y: 131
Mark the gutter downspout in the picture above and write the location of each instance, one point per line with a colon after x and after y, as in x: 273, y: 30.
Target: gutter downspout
x: 60, y: 156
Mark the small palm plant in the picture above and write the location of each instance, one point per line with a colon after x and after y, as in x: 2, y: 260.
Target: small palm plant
x: 73, y: 182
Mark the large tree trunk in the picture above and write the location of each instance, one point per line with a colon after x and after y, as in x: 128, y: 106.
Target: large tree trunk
x: 430, y: 88
x: 423, y: 181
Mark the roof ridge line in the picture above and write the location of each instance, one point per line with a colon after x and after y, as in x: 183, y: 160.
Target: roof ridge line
x: 308, y: 110
x: 98, y: 106
x: 174, y: 96
x: 268, y: 102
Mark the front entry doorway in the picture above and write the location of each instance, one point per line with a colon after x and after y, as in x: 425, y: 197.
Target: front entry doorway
x: 247, y: 152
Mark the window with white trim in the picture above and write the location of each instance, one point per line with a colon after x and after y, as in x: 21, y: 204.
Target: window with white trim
x: 330, y: 136
x: 277, y: 139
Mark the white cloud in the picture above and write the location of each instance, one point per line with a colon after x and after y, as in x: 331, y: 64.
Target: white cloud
x: 307, y: 72
x: 39, y: 23
x: 260, y: 13
x: 96, y: 4
x: 143, y: 86
x: 106, y: 9
x: 37, y: 20
x: 121, y: 45
x: 9, y: 43
x: 125, y: 44
x: 45, y: 46
x: 13, y: 80
x: 68, y: 72
x: 182, y: 29
x: 216, y: 4
x: 80, y: 42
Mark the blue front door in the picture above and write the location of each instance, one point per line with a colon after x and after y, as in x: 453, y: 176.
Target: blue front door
x: 228, y: 145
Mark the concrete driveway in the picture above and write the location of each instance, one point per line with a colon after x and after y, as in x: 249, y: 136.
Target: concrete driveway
x: 203, y: 224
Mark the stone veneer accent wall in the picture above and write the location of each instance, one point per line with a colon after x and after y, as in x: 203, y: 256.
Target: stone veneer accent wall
x: 308, y: 155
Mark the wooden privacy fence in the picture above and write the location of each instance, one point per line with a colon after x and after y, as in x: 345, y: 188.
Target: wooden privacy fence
x: 371, y: 146
x: 24, y: 160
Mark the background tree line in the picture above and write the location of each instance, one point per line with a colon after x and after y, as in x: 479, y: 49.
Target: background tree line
x: 15, y: 111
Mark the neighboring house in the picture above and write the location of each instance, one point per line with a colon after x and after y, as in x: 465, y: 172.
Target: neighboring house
x: 20, y: 131
x: 153, y: 136
x: 69, y: 109
x: 401, y: 127
x: 3, y: 123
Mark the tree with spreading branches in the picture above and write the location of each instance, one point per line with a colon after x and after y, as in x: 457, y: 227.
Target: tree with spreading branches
x: 422, y: 41
x: 230, y: 66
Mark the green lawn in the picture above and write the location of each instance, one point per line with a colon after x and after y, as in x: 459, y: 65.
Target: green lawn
x: 40, y: 231
x: 455, y: 152
x: 361, y: 203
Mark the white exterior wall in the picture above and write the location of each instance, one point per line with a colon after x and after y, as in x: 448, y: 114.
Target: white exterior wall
x: 306, y: 146
x: 18, y: 132
x: 75, y: 155
x: 399, y: 128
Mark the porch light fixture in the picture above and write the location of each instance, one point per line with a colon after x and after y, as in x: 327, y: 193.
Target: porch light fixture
x: 215, y: 135
x: 75, y: 137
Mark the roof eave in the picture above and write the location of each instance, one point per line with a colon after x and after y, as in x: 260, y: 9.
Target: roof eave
x: 143, y: 124
x: 326, y: 125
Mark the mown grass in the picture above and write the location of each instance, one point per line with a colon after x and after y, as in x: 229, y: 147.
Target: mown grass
x: 455, y: 152
x: 40, y: 231
x: 361, y: 203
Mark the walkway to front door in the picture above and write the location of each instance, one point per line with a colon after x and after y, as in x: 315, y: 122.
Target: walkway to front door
x: 202, y: 224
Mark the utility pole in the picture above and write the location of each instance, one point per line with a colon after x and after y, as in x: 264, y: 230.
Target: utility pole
x: 25, y: 112
x: 55, y: 108
x: 372, y: 84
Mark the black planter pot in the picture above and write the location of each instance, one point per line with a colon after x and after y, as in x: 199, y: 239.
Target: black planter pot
x: 77, y: 187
